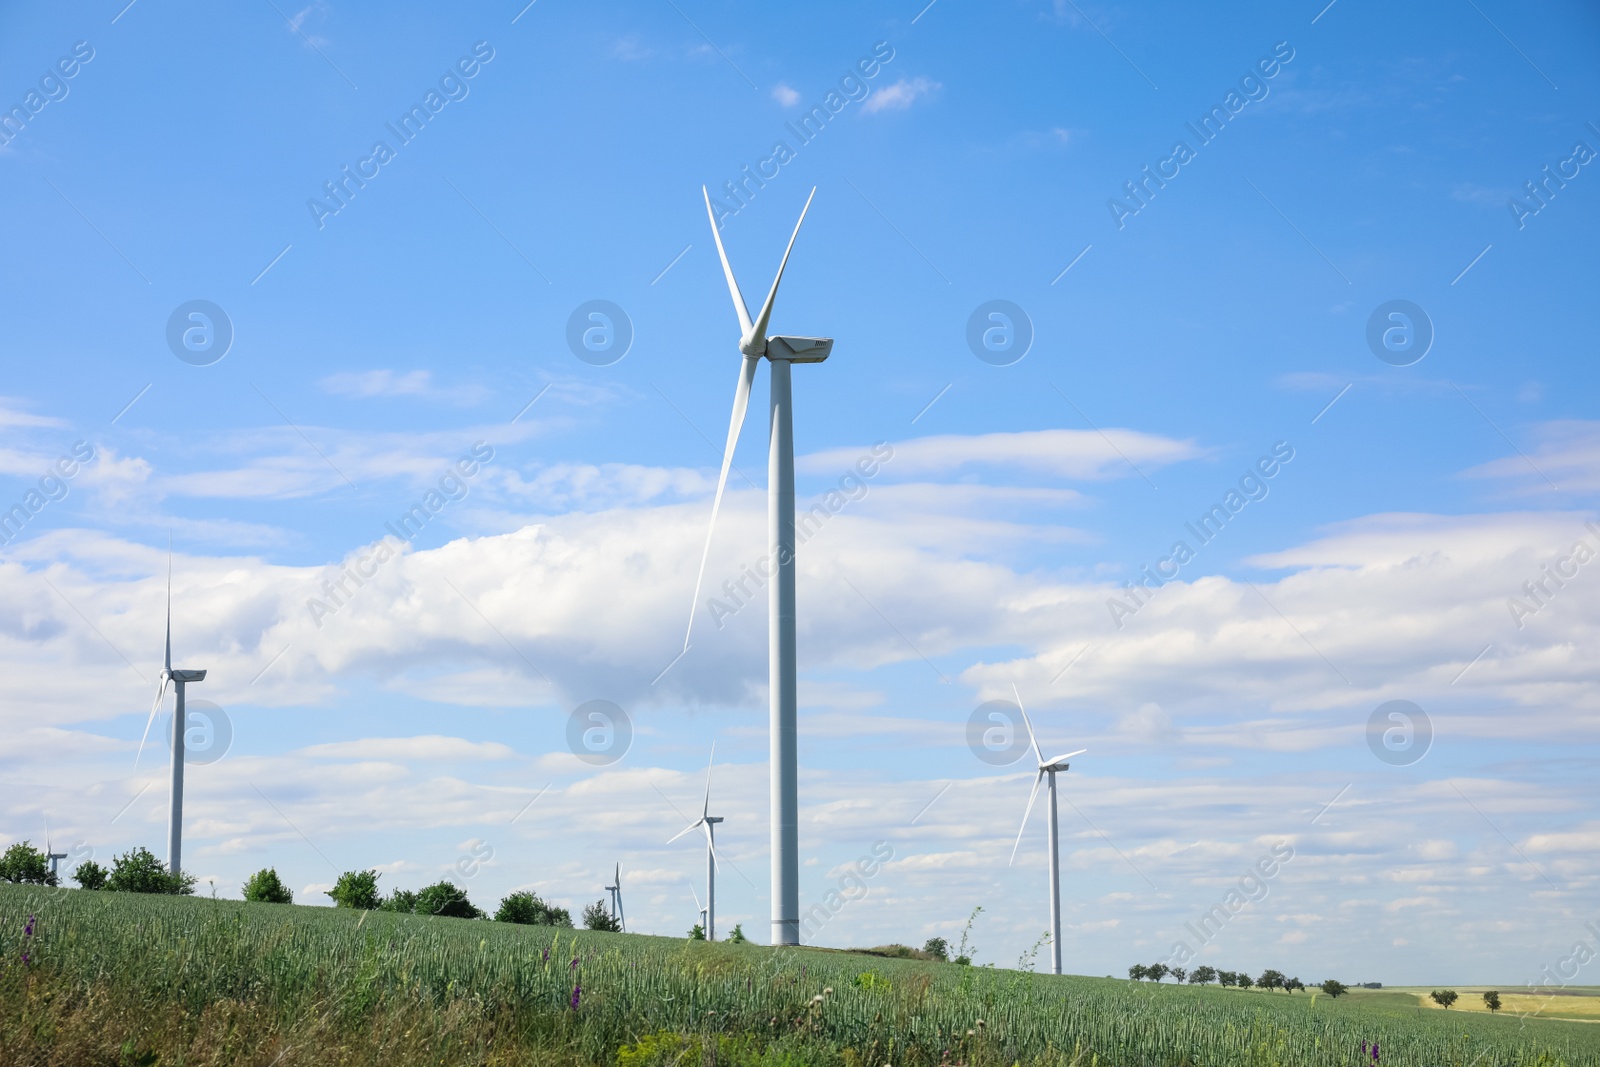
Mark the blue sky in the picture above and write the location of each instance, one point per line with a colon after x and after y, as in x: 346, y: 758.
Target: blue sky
x: 1173, y: 346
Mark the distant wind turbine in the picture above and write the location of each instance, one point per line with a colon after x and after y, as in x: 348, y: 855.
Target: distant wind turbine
x: 780, y: 352
x: 707, y: 823
x: 50, y: 853
x: 1047, y: 771
x: 615, y: 889
x: 700, y: 909
x: 179, y: 679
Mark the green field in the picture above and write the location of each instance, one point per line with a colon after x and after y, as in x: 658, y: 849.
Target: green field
x: 138, y: 981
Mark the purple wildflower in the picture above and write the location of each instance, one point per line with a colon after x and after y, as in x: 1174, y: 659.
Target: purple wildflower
x: 1374, y: 1052
x: 576, y: 991
x: 547, y: 960
x: 27, y: 931
x: 574, y: 963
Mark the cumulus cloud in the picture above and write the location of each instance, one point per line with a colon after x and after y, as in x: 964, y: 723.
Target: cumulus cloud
x: 784, y: 95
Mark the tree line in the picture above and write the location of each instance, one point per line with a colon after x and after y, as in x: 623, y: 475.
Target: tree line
x: 1204, y: 975
x: 140, y: 871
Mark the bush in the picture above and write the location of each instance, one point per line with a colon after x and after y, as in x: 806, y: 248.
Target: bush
x: 357, y: 889
x: 90, y: 875
x: 528, y: 910
x: 139, y: 871
x: 448, y: 899
x: 26, y: 864
x: 597, y: 916
x: 938, y: 948
x: 697, y: 932
x: 264, y: 887
x: 737, y: 937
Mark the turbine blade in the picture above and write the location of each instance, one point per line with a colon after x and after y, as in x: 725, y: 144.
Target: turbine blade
x: 757, y: 331
x: 1069, y: 755
x: 697, y: 905
x: 706, y: 811
x: 168, y: 660
x: 711, y: 846
x: 1026, y: 721
x: 686, y: 829
x: 727, y: 271
x: 1032, y: 796
x: 161, y: 692
x: 741, y: 401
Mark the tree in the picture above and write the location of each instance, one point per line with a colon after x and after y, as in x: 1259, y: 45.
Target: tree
x: 1242, y: 980
x: 90, y: 875
x: 1156, y: 971
x: 403, y: 901
x: 697, y: 933
x: 1271, y: 979
x: 1491, y: 1000
x: 1334, y: 988
x: 26, y: 864
x: 737, y: 937
x: 1444, y: 997
x: 1203, y: 974
x: 1136, y: 972
x: 597, y: 916
x: 1293, y: 985
x: 357, y: 889
x: 264, y: 887
x: 1179, y: 974
x: 938, y: 948
x: 447, y: 899
x: 529, y: 909
x: 139, y: 871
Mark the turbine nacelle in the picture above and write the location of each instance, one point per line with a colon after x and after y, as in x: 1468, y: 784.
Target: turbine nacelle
x: 799, y: 349
x: 188, y: 676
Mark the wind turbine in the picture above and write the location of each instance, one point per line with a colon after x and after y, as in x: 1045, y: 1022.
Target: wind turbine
x: 49, y: 851
x: 179, y: 679
x: 615, y: 890
x: 1047, y: 771
x: 700, y: 909
x: 707, y: 822
x: 780, y: 352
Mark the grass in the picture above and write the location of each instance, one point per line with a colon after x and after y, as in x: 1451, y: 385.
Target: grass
x: 1574, y: 1003
x: 143, y: 981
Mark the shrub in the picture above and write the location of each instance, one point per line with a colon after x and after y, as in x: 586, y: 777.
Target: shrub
x: 597, y: 916
x: 357, y: 889
x: 264, y: 887
x: 938, y: 948
x: 24, y: 863
x: 737, y: 937
x: 139, y: 871
x: 697, y: 932
x: 448, y: 899
x: 403, y: 901
x: 90, y: 875
x: 528, y: 909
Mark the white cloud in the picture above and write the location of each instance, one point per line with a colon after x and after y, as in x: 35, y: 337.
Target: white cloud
x: 899, y: 96
x: 388, y: 383
x: 785, y: 95
x: 1083, y: 454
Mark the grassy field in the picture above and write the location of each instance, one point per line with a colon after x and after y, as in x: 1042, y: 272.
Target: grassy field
x: 143, y: 981
x: 1574, y: 1003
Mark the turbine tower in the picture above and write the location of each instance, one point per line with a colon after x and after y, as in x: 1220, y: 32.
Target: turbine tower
x: 179, y: 679
x: 1047, y: 772
x: 615, y: 889
x: 780, y: 352
x: 707, y: 823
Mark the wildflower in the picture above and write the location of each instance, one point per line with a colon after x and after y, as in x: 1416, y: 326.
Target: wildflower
x: 576, y: 991
x: 547, y: 958
x: 27, y: 931
x: 574, y: 963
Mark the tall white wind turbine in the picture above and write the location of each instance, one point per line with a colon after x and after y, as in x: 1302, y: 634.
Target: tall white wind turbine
x: 780, y: 352
x: 707, y: 823
x: 179, y: 679
x: 1046, y: 773
x: 615, y: 889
